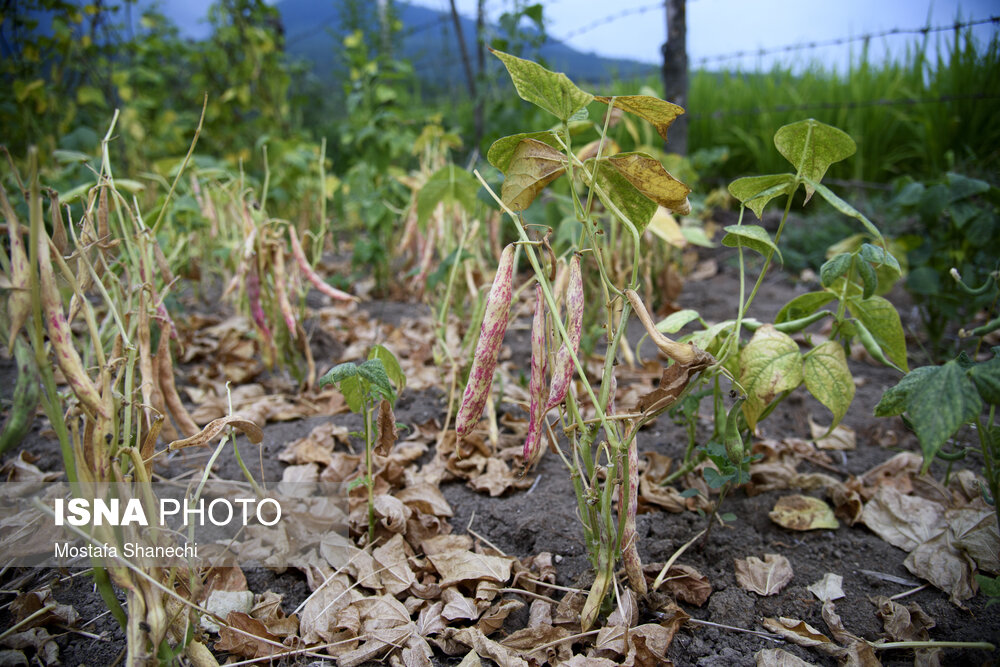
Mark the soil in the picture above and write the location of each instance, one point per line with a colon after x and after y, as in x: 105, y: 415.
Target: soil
x: 543, y: 518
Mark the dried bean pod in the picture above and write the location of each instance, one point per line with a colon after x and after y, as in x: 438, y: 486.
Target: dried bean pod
x: 628, y: 502
x: 19, y: 299
x: 253, y: 296
x: 563, y: 368
x: 536, y: 385
x: 313, y: 277
x: 287, y: 312
x: 484, y: 362
x: 165, y: 376
x: 59, y: 333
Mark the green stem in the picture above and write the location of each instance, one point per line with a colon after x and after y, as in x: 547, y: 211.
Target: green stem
x: 883, y: 646
x: 370, y: 481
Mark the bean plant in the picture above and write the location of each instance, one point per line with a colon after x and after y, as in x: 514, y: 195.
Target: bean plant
x: 628, y: 189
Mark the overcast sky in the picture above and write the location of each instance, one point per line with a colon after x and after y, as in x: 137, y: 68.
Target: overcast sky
x: 637, y: 28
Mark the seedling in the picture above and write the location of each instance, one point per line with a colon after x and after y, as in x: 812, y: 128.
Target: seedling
x: 370, y: 388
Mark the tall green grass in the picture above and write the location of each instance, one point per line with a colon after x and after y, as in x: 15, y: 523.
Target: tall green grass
x: 741, y: 110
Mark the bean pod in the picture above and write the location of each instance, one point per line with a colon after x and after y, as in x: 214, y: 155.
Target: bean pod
x: 536, y: 384
x: 484, y: 362
x: 628, y: 502
x: 313, y: 277
x: 563, y: 367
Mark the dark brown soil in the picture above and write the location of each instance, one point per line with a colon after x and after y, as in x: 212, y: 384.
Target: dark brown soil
x: 524, y: 523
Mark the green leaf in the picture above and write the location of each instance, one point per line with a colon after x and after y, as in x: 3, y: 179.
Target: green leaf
x: 834, y: 268
x: 354, y: 392
x: 714, y: 479
x: 650, y: 178
x: 616, y: 192
x: 755, y: 192
x: 754, y: 237
x: 868, y: 278
x: 811, y: 147
x: 769, y: 365
x: 989, y: 586
x: 828, y: 378
x: 939, y: 405
x: 551, y: 91
x: 894, y: 399
x: 450, y: 184
x: 803, y: 305
x: 881, y: 319
x: 339, y: 373
x: 677, y: 321
x: 844, y: 207
x: 659, y: 113
x: 374, y: 372
x: 502, y: 150
x: 986, y: 377
x: 533, y: 166
x: 390, y: 364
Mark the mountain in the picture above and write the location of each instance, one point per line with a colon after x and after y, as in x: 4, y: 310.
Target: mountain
x: 427, y: 38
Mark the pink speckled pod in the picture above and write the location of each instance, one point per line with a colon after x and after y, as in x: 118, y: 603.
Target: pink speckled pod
x: 536, y: 385
x: 628, y: 502
x: 253, y: 296
x: 563, y: 367
x: 484, y: 362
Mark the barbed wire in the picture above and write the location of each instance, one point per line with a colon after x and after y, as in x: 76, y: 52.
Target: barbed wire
x: 836, y: 106
x: 611, y: 18
x: 840, y: 41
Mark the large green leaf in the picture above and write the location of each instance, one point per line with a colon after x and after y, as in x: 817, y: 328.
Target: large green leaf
x: 659, y: 113
x: 502, y: 150
x: 345, y: 377
x: 616, y: 192
x: 650, y: 178
x: 549, y: 90
x: 755, y: 192
x: 828, y: 378
x: 894, y: 399
x: 881, y: 319
x: 449, y: 184
x: 811, y: 147
x: 986, y: 377
x: 769, y: 365
x: 677, y: 321
x: 945, y: 400
x: 803, y: 305
x: 754, y: 237
x: 374, y: 372
x: 533, y: 166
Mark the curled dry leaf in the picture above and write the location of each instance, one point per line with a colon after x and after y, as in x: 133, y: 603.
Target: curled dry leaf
x: 245, y: 636
x: 939, y: 562
x: 776, y: 657
x: 799, y: 512
x: 800, y: 633
x: 686, y: 584
x: 830, y: 587
x: 216, y: 427
x: 527, y: 642
x: 458, y: 566
x: 840, y: 438
x: 764, y: 577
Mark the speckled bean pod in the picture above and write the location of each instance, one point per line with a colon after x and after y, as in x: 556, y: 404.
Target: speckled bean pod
x: 253, y: 296
x: 563, y: 367
x: 484, y: 362
x: 287, y: 312
x: 629, y: 504
x: 59, y: 333
x: 313, y: 277
x: 536, y: 384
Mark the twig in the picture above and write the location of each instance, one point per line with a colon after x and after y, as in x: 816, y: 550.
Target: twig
x: 909, y: 592
x: 765, y: 635
x: 673, y: 559
x: 44, y: 610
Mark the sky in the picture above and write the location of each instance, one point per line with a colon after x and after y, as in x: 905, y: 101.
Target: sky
x: 637, y: 28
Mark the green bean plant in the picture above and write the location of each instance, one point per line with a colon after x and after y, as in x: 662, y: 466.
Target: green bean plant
x: 628, y: 189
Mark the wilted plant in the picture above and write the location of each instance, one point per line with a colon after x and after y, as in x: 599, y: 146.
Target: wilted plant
x: 632, y: 187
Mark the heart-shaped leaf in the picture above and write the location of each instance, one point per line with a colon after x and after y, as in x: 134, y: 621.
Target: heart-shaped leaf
x: 828, y: 378
x: 650, y: 178
x: 812, y: 146
x: 549, y: 90
x: 502, y: 150
x: 754, y: 237
x: 755, y: 192
x: 532, y: 166
x: 769, y: 365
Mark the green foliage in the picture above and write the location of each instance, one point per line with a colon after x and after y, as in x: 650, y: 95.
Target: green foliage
x: 951, y: 223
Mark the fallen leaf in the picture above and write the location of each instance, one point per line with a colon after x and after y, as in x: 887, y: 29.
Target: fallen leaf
x: 842, y: 438
x: 477, y: 641
x: 528, y: 642
x: 903, y: 521
x: 940, y: 563
x: 801, y: 633
x: 221, y: 603
x: 776, y: 657
x: 830, y: 587
x: 393, y: 556
x: 457, y: 606
x: 764, y: 577
x: 798, y: 512
x: 458, y: 566
x: 686, y: 584
x: 494, y: 617
x: 247, y: 637
x: 975, y: 533
x: 387, y: 431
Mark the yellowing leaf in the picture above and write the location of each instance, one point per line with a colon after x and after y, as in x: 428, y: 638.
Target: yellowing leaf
x: 651, y: 179
x: 665, y: 226
x: 659, y: 113
x: 549, y: 90
x: 533, y: 166
x: 828, y: 379
x: 799, y: 512
x: 769, y: 365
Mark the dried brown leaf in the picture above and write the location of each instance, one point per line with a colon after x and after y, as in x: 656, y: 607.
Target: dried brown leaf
x: 687, y: 584
x: 903, y: 521
x: 776, y: 657
x: 764, y: 577
x: 494, y: 617
x: 801, y: 633
x: 527, y: 643
x: 830, y: 587
x: 387, y: 432
x: 457, y: 606
x: 247, y: 637
x: 940, y: 563
x: 842, y: 438
x: 393, y: 557
x: 458, y: 566
x: 216, y: 427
